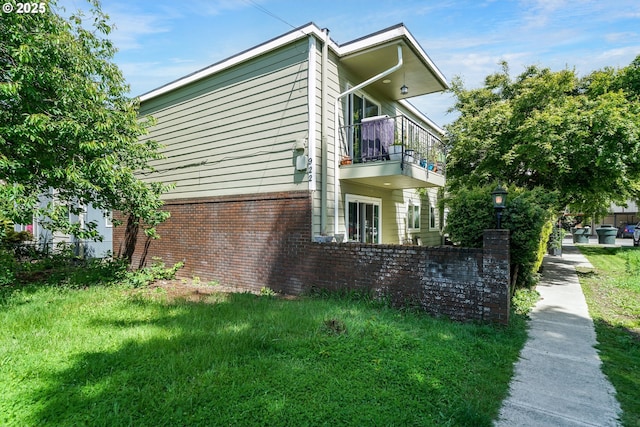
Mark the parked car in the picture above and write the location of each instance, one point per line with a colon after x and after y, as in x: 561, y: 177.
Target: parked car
x: 636, y: 235
x: 626, y: 231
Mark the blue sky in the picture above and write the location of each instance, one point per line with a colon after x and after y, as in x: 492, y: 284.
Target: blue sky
x: 162, y: 40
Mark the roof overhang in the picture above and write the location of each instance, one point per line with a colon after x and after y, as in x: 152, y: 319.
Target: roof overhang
x: 364, y: 57
x: 369, y: 55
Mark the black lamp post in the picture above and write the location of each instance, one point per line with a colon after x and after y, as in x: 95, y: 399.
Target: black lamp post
x: 499, y: 196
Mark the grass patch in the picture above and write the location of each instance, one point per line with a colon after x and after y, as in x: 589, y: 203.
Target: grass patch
x: 112, y: 355
x: 613, y: 297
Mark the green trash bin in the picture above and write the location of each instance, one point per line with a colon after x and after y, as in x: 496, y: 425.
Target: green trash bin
x: 607, y: 234
x: 581, y: 235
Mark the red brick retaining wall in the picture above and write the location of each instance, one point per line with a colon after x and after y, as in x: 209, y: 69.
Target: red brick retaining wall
x: 459, y: 283
x: 264, y: 240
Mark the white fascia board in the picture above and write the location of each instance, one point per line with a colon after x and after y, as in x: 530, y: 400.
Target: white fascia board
x: 371, y: 41
x: 237, y: 59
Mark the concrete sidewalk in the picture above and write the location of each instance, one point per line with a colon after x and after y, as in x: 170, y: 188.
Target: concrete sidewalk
x: 558, y: 380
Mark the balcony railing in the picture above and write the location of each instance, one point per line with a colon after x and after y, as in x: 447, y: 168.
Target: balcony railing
x: 398, y: 138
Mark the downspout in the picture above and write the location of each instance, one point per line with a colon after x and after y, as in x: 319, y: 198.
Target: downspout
x: 311, y: 96
x: 336, y: 199
x: 324, y: 133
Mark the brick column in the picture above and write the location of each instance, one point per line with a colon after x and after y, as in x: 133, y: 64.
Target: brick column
x: 496, y: 276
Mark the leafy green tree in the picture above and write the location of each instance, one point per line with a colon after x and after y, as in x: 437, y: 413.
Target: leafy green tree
x: 66, y: 123
x: 579, y: 137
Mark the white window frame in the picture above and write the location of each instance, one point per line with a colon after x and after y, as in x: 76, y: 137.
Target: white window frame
x: 411, y: 215
x: 108, y: 222
x: 82, y: 215
x: 434, y: 214
x: 349, y: 113
x: 366, y: 98
x: 354, y: 198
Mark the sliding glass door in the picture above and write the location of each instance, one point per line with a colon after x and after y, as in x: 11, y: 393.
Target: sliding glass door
x: 363, y: 219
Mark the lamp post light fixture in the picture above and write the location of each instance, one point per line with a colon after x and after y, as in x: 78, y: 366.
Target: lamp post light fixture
x: 499, y: 196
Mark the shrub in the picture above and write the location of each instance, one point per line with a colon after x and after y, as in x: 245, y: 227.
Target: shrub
x: 12, y: 236
x: 157, y: 271
x: 7, y: 267
x: 527, y: 216
x: 470, y: 213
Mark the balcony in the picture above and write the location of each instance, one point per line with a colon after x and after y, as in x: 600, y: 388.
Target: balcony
x: 391, y: 152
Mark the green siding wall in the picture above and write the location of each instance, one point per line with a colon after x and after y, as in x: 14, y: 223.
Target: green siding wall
x: 233, y: 133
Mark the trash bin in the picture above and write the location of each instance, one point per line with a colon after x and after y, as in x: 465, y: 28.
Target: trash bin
x: 607, y: 234
x: 581, y: 235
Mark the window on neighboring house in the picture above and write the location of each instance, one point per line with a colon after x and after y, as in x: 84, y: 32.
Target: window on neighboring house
x: 359, y: 107
x: 363, y: 218
x: 107, y: 219
x: 82, y: 216
x: 413, y: 216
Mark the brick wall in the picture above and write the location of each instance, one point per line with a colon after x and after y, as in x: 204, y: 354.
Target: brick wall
x: 265, y: 240
x: 244, y: 241
x: 459, y: 283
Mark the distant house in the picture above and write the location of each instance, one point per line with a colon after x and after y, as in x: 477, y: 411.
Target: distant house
x: 296, y: 140
x: 621, y: 215
x: 48, y: 240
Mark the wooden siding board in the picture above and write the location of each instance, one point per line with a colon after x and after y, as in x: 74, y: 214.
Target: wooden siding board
x: 232, y: 168
x: 243, y: 122
x: 200, y: 189
x: 237, y: 142
x: 272, y: 91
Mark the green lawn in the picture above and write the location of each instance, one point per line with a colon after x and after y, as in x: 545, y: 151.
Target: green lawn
x: 613, y: 297
x: 112, y: 356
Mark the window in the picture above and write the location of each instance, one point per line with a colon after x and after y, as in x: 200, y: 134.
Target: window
x: 432, y: 217
x: 359, y: 107
x: 107, y: 220
x: 413, y: 216
x: 363, y: 219
x: 82, y: 215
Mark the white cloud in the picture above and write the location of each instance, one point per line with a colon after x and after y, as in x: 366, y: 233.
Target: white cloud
x: 130, y: 27
x: 617, y: 57
x: 215, y: 7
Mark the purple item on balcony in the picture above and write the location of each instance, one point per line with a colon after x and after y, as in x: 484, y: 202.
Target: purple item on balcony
x: 377, y: 136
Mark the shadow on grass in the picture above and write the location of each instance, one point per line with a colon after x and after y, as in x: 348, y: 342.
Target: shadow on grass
x: 193, y: 364
x: 612, y: 295
x: 619, y: 349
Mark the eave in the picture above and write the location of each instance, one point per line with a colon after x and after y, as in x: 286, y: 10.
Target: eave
x: 363, y: 57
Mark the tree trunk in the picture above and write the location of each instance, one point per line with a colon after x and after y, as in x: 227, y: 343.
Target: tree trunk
x: 145, y: 252
x: 514, y: 278
x: 130, y: 237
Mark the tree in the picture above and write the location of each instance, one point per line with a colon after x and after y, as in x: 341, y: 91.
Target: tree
x: 66, y: 123
x: 552, y: 130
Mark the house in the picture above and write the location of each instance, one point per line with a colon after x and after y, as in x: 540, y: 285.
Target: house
x: 622, y: 215
x: 47, y: 240
x: 296, y: 140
